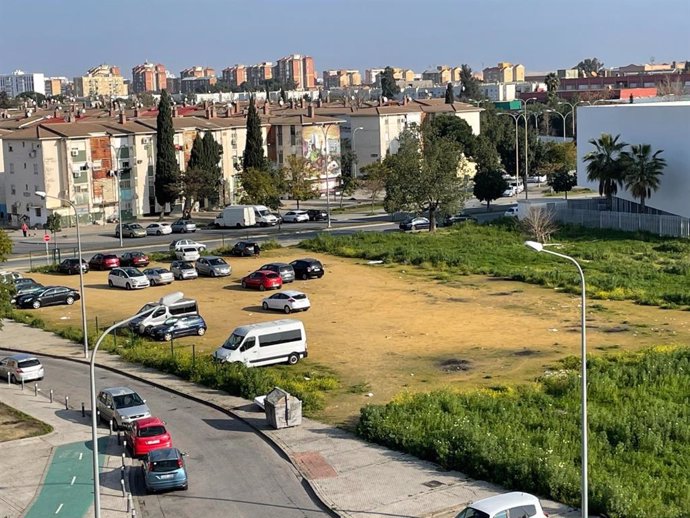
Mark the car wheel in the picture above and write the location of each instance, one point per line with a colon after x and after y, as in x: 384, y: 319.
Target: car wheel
x: 238, y: 226
x: 201, y: 331
x: 184, y: 230
x: 13, y: 379
x: 264, y: 306
x: 69, y: 301
x: 36, y: 304
x: 147, y: 330
x: 154, y: 282
x: 287, y: 310
x: 128, y: 286
x: 304, y: 276
x: 167, y: 337
x: 244, y: 284
x: 262, y: 287
x: 158, y: 232
x: 110, y: 283
x: 213, y: 273
x: 293, y: 359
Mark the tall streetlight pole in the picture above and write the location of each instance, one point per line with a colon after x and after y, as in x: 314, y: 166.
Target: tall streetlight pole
x: 539, y: 247
x: 517, y: 165
x: 564, y: 117
x: 572, y: 110
x: 82, y: 293
x: 325, y: 129
x: 164, y: 301
x: 119, y: 194
x: 524, y: 107
x: 354, y: 161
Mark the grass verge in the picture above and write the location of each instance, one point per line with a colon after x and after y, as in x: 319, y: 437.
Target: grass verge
x: 18, y: 425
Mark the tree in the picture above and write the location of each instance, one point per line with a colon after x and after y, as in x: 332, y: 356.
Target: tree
x: 641, y: 171
x: 539, y: 224
x: 283, y: 95
x: 37, y: 97
x: 203, y: 176
x: 555, y: 156
x: 489, y: 186
x: 5, y: 294
x: 348, y: 160
x: 146, y: 99
x: 167, y: 180
x: 450, y: 95
x: 297, y: 175
x: 552, y: 83
x: 590, y: 67
x: 470, y: 85
x: 477, y: 148
x: 253, y: 157
x: 260, y: 187
x: 604, y: 165
x: 54, y: 222
x: 374, y: 180
x: 563, y: 181
x: 5, y: 101
x: 389, y: 88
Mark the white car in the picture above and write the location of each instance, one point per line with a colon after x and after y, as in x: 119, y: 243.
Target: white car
x: 158, y: 276
x: 179, y: 244
x: 188, y: 253
x: 128, y: 278
x: 295, y: 216
x: 505, y: 506
x: 287, y: 301
x: 158, y: 229
x: 512, y: 212
x: 510, y: 191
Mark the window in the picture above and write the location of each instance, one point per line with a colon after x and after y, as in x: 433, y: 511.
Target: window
x: 35, y: 168
x: 14, y: 191
x: 523, y: 511
x: 248, y: 344
x: 38, y: 212
x: 11, y: 168
x: 292, y: 135
x: 280, y: 338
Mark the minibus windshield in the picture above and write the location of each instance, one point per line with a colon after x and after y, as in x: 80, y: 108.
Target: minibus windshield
x: 233, y: 342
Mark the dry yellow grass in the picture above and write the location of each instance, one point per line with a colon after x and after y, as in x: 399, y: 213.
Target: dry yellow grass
x: 17, y: 425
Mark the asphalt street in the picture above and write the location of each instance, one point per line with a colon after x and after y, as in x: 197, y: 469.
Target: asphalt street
x: 232, y: 470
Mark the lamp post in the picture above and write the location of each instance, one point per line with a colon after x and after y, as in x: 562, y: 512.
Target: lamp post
x: 524, y: 107
x: 325, y: 129
x: 572, y: 110
x: 517, y: 167
x: 354, y: 159
x: 119, y: 194
x: 539, y: 247
x: 164, y: 301
x: 85, y: 331
x: 564, y: 117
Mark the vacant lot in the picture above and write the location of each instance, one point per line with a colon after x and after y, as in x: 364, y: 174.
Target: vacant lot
x: 386, y: 329
x: 17, y: 425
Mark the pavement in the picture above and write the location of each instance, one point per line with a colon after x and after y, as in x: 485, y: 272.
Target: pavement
x: 355, y: 479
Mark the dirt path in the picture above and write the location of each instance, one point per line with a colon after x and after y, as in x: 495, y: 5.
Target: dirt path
x: 385, y: 329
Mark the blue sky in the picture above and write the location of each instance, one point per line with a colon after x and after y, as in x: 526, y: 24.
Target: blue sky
x: 68, y: 37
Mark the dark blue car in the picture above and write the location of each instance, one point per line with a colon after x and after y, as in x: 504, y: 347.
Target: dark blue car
x: 179, y: 326
x: 164, y: 469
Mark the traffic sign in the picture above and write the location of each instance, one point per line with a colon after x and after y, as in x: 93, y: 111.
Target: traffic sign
x: 46, y: 237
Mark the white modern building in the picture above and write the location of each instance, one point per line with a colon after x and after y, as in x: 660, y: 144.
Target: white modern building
x: 19, y: 82
x: 498, y: 92
x: 662, y: 125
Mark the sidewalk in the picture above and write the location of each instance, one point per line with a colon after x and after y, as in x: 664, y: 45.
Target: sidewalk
x: 54, y: 470
x: 354, y: 478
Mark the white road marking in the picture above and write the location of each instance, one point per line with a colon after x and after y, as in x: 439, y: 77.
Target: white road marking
x: 58, y: 509
x: 81, y: 455
x: 73, y: 479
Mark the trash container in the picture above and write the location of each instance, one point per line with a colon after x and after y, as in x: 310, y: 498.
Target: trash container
x: 282, y: 409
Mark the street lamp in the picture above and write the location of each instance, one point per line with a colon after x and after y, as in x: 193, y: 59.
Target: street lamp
x: 85, y: 330
x: 572, y: 110
x: 164, y: 301
x: 517, y: 167
x: 524, y: 106
x: 539, y: 247
x: 564, y: 117
x: 325, y: 129
x: 119, y: 193
x: 354, y: 157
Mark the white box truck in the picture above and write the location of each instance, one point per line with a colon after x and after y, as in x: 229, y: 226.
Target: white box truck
x: 237, y: 216
x: 263, y: 216
x: 277, y: 341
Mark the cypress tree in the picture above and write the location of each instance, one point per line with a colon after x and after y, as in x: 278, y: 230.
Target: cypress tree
x: 254, y: 150
x: 167, y: 180
x: 450, y: 96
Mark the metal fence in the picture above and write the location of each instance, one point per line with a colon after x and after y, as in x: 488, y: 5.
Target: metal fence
x: 662, y: 225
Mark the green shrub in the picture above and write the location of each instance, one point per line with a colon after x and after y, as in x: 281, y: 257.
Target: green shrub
x: 162, y: 256
x: 50, y: 268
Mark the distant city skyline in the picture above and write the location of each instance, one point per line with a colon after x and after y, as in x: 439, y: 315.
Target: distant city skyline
x: 339, y: 34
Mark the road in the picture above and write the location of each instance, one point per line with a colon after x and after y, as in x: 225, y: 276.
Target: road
x: 232, y: 470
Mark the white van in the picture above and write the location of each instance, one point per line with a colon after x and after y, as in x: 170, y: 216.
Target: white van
x: 263, y: 216
x: 237, y: 216
x: 278, y: 341
x: 152, y: 317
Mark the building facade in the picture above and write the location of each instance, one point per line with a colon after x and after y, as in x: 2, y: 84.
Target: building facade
x: 149, y: 77
x: 19, y: 82
x: 504, y: 72
x: 341, y: 78
x: 103, y: 80
x: 298, y: 69
x: 198, y: 71
x: 257, y: 74
x: 235, y: 75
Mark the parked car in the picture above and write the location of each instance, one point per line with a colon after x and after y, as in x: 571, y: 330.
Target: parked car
x: 130, y: 230
x: 262, y: 280
x: 71, y: 266
x: 146, y: 435
x: 176, y: 327
x: 295, y: 216
x: 9, y: 277
x: 163, y: 469
x: 25, y: 286
x: 127, y: 277
x: 188, y: 253
x: 287, y: 301
x: 278, y: 216
x: 537, y: 179
x: 213, y: 266
x: 21, y: 367
x: 183, y: 270
x: 317, y: 215
x: 183, y: 226
x: 512, y: 212
x: 510, y: 191
x: 286, y: 272
x: 134, y: 259
x: 509, y: 505
x: 178, y: 244
x: 158, y: 229
x: 457, y: 218
x: 158, y: 276
x: 48, y: 296
x: 306, y: 268
x: 245, y: 249
x: 416, y: 223
x: 123, y: 405
x: 104, y: 262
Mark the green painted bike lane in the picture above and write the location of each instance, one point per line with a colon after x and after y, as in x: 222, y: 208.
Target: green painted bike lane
x: 67, y: 491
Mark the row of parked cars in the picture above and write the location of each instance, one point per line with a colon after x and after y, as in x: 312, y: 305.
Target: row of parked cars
x: 181, y: 226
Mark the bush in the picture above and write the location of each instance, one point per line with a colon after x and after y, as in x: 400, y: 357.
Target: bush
x: 51, y: 268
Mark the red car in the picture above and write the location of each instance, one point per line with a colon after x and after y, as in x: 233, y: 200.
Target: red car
x: 263, y: 280
x: 147, y: 434
x: 134, y: 259
x: 104, y: 262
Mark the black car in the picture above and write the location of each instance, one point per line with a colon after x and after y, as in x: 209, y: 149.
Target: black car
x: 317, y: 215
x: 179, y: 326
x: 24, y: 286
x: 245, y: 249
x: 417, y: 223
x: 306, y: 268
x: 71, y: 266
x: 457, y: 218
x: 48, y: 296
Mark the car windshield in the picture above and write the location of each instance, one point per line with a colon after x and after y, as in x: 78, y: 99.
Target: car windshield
x: 147, y: 307
x: 186, y: 266
x: 471, y: 512
x: 132, y: 272
x: 127, y: 400
x: 233, y: 342
x: 216, y: 262
x: 135, y: 225
x: 151, y: 431
x: 165, y: 465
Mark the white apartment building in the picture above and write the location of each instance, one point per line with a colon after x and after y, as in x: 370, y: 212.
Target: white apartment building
x: 19, y: 82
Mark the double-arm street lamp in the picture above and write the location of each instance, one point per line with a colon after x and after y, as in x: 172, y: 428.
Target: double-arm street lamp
x: 116, y: 171
x: 325, y: 129
x: 524, y: 107
x: 82, y: 293
x: 354, y: 155
x: 517, y: 161
x: 572, y: 111
x: 564, y: 117
x: 539, y: 247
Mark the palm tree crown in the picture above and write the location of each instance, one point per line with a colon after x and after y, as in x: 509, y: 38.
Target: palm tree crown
x: 604, y: 166
x: 642, y: 170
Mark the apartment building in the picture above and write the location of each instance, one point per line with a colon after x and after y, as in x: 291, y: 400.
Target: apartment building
x: 56, y: 86
x: 257, y: 74
x: 149, y: 77
x: 371, y: 75
x: 197, y: 72
x: 504, y: 72
x: 19, y: 82
x: 102, y: 80
x: 443, y: 74
x: 341, y: 78
x: 296, y: 68
x: 235, y: 75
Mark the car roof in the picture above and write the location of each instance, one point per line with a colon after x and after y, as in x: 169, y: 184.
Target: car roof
x: 279, y: 265
x: 291, y: 293
x: 497, y: 503
x: 21, y: 357
x: 118, y: 391
x: 149, y: 421
x: 307, y: 259
x: 164, y: 454
x: 247, y: 243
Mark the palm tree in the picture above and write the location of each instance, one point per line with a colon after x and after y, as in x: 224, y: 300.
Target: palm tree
x: 604, y: 165
x: 642, y: 170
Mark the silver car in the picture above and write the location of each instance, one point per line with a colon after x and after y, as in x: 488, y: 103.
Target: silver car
x: 159, y: 276
x: 122, y: 405
x: 213, y: 266
x: 20, y: 367
x: 183, y: 270
x: 286, y: 272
